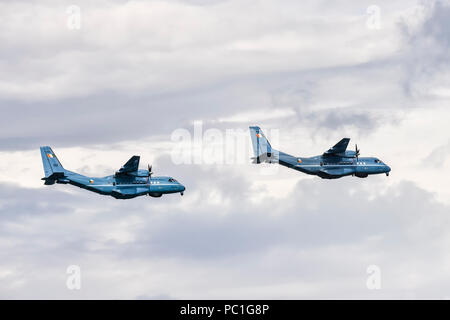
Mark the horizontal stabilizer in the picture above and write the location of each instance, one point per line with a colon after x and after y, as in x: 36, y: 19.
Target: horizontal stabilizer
x: 268, y: 158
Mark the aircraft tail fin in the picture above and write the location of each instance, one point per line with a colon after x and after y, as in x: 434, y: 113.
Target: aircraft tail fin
x: 52, y: 167
x: 261, y: 146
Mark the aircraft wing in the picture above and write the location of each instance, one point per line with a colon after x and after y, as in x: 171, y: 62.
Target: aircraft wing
x: 132, y: 165
x: 339, y: 147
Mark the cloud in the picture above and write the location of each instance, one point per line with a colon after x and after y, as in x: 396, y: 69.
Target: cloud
x: 426, y: 51
x: 133, y: 76
x: 316, y: 235
x: 438, y: 156
x: 136, y: 71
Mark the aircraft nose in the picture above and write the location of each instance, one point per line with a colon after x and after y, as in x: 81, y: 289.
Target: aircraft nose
x: 388, y: 169
x: 182, y: 188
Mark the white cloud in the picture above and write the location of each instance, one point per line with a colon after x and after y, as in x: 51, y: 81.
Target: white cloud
x: 137, y: 70
x: 159, y: 46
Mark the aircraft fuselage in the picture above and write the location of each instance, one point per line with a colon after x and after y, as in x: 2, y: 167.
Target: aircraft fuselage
x: 334, y: 163
x: 129, y: 182
x: 123, y: 187
x: 332, y: 167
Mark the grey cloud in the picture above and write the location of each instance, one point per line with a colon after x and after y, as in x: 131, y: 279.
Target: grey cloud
x: 337, y: 119
x: 111, y: 118
x: 434, y: 30
x: 318, y: 224
x: 317, y: 241
x: 438, y: 156
x: 108, y: 114
x: 426, y: 53
x: 303, y: 220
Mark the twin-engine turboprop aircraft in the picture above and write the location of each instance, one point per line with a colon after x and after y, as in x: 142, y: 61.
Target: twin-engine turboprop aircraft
x: 129, y: 182
x: 334, y: 163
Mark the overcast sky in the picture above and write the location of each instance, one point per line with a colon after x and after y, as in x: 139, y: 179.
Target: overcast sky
x: 132, y: 73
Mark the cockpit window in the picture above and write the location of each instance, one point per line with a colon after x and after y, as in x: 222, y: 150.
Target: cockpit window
x: 172, y: 180
x: 377, y: 161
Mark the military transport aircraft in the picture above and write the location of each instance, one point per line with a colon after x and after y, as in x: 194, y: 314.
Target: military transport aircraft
x: 334, y: 163
x: 129, y: 182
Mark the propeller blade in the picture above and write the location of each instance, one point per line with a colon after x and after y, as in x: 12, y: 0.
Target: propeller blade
x: 149, y: 173
x: 150, y: 170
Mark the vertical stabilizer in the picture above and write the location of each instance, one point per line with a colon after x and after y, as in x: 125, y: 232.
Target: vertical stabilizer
x: 52, y: 167
x: 262, y: 149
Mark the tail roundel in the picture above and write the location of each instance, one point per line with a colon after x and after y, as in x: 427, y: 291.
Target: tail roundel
x: 262, y: 149
x: 52, y: 167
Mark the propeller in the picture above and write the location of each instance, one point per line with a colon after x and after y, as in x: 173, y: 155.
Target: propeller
x: 149, y: 172
x: 356, y: 152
